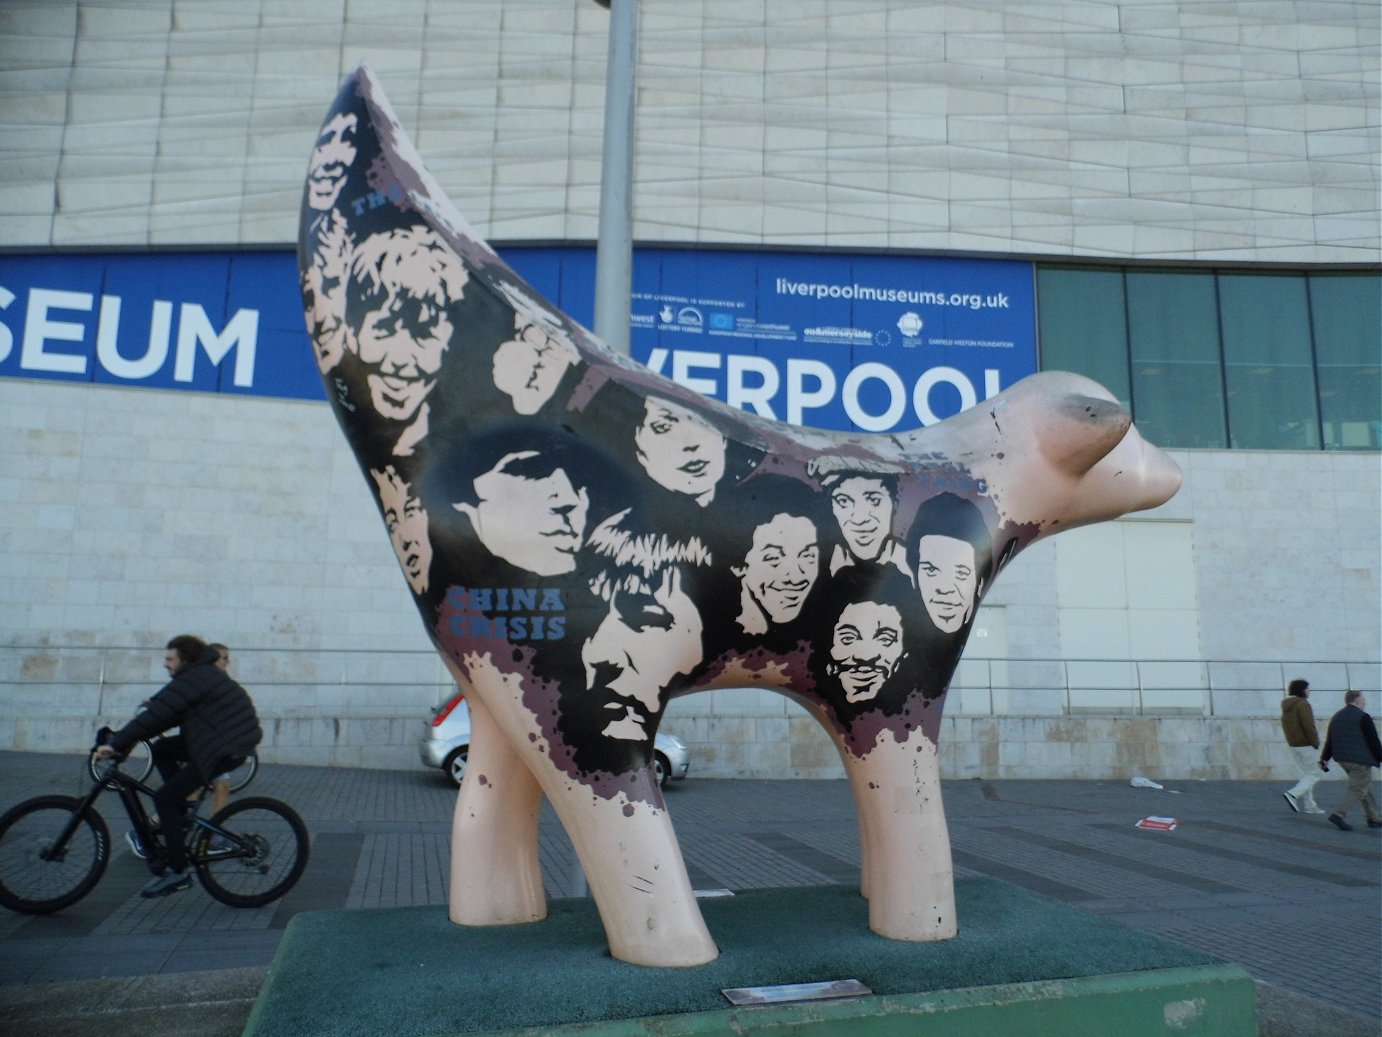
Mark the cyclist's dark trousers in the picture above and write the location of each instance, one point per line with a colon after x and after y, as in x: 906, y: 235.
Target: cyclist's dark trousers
x: 180, y: 780
x: 170, y: 800
x: 169, y: 755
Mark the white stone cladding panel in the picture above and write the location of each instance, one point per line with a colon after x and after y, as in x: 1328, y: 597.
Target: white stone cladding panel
x: 1115, y: 128
x: 244, y: 518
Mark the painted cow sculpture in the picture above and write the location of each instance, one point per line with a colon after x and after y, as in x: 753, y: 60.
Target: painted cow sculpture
x: 585, y: 539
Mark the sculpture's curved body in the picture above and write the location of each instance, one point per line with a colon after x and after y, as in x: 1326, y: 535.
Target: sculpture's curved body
x: 585, y: 539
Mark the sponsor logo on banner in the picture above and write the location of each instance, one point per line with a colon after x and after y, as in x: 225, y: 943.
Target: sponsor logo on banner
x: 910, y: 324
x: 839, y: 336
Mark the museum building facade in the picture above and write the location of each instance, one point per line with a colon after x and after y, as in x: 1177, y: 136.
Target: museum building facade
x: 851, y: 213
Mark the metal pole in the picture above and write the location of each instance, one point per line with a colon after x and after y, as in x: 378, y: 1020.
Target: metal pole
x: 614, y: 251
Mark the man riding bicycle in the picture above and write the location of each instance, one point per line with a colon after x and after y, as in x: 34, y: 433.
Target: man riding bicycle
x: 219, y: 729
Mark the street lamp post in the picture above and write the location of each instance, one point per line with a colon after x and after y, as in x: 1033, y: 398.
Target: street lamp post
x: 614, y: 250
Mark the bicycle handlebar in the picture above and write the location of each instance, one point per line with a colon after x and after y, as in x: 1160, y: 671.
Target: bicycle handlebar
x: 103, y: 736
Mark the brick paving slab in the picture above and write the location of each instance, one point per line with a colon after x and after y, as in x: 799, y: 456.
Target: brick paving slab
x: 1290, y: 898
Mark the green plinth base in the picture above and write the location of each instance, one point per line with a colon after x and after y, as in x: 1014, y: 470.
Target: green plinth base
x: 1021, y: 964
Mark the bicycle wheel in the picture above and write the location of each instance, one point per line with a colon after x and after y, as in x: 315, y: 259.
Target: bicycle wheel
x: 244, y: 774
x: 261, y: 861
x: 35, y: 883
x: 137, y: 764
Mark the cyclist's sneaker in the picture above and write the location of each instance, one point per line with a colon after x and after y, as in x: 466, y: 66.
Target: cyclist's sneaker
x: 136, y: 847
x: 173, y: 882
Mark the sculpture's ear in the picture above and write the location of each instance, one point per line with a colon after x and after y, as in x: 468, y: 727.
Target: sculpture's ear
x: 1080, y: 431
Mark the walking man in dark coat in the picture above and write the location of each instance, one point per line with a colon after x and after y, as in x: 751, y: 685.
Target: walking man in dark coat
x: 219, y: 729
x: 1352, y: 740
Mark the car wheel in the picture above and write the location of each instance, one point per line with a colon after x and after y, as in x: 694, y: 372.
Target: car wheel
x: 455, y: 764
x: 662, y: 770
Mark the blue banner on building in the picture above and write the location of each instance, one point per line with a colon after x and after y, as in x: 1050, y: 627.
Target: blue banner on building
x: 210, y: 322
x: 876, y: 343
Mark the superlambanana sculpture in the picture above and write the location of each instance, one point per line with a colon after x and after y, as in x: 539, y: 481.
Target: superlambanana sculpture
x: 585, y: 540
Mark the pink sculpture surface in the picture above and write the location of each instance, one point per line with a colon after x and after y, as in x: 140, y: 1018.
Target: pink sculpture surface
x: 585, y: 540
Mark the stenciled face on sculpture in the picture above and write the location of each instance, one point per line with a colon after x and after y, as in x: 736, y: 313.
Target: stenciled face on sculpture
x: 866, y: 648
x: 863, y: 505
x: 331, y: 161
x: 323, y: 286
x: 649, y: 636
x: 401, y: 285
x: 406, y: 519
x: 947, y: 580
x: 679, y: 450
x: 775, y: 550
x: 526, y: 510
x: 529, y: 366
x: 781, y: 567
x: 950, y: 552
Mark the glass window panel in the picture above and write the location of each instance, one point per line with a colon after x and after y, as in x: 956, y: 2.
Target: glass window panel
x: 1346, y: 314
x: 1179, y: 405
x: 1272, y: 408
x: 1346, y: 310
x: 1177, y: 387
x: 1269, y: 373
x: 1083, y: 325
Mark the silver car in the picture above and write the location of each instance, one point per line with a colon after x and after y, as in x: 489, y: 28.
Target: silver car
x: 446, y: 744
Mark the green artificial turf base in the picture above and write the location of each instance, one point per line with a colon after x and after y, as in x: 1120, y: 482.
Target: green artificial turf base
x: 1020, y: 964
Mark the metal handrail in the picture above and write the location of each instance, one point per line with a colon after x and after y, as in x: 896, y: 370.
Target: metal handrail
x: 1209, y: 687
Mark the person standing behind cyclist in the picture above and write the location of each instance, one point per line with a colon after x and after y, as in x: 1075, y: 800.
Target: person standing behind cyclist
x: 220, y: 788
x: 219, y: 729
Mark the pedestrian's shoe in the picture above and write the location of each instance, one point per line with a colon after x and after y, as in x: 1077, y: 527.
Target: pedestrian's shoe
x: 1291, y: 802
x: 1339, y: 823
x: 173, y: 882
x: 136, y: 847
x: 1374, y: 824
x: 1312, y: 809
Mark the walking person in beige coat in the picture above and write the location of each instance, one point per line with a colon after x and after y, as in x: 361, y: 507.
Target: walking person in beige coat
x: 1298, y: 725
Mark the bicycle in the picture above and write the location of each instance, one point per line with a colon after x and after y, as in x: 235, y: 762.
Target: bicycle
x: 54, y: 849
x: 140, y: 762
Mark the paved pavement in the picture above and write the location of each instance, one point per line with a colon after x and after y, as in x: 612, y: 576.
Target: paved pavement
x: 1294, y: 901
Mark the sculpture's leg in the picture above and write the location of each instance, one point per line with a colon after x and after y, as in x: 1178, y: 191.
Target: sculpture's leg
x: 866, y: 841
x: 637, y: 877
x: 860, y: 813
x: 628, y: 849
x: 496, y: 878
x: 910, y: 876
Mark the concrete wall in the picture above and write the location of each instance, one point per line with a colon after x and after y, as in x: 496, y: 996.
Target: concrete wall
x: 1132, y: 128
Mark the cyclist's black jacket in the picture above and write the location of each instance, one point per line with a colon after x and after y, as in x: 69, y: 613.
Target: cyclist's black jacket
x: 216, y: 715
